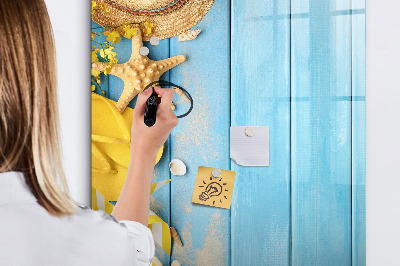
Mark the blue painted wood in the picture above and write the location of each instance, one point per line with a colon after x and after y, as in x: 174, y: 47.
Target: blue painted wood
x: 321, y: 132
x: 260, y: 97
x: 160, y: 200
x: 305, y: 78
x: 358, y: 134
x: 202, y: 139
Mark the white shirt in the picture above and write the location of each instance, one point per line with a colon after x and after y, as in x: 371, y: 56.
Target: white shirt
x: 31, y: 236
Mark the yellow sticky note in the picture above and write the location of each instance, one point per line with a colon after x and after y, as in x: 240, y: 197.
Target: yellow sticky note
x: 214, y: 188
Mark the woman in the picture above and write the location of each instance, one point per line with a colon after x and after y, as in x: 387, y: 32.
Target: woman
x: 39, y: 222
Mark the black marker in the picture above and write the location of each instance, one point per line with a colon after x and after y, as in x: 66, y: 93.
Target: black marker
x: 151, y: 109
x: 152, y: 102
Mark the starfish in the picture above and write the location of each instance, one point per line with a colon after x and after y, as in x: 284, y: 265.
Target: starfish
x: 139, y: 71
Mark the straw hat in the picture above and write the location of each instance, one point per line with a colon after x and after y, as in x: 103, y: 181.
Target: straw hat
x: 169, y: 17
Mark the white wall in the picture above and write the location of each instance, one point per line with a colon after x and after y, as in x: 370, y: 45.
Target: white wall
x: 383, y: 132
x: 72, y: 25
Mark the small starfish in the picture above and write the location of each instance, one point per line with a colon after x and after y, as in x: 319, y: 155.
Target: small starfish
x: 139, y: 71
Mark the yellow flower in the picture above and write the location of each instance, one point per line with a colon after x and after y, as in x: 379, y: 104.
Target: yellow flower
x: 103, y: 92
x: 114, y: 60
x: 104, y: 8
x: 113, y: 36
x: 93, y: 6
x: 93, y: 87
x: 102, y: 53
x: 95, y: 72
x: 108, y: 69
x: 129, y: 32
x: 110, y: 56
x: 94, y: 56
x: 108, y: 53
x: 147, y: 26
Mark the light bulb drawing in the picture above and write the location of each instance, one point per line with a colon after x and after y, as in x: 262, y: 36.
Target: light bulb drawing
x: 212, y: 189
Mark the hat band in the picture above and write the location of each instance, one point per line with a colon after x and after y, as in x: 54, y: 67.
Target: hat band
x: 160, y: 11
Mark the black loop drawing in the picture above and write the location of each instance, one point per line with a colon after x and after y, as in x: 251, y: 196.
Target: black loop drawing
x: 165, y: 83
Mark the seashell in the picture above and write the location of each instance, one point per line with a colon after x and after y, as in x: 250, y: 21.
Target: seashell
x: 175, y: 236
x: 177, y: 167
x: 176, y: 263
x: 189, y: 35
x: 156, y: 262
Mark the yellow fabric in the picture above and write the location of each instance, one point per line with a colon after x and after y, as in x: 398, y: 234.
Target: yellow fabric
x: 166, y: 233
x: 157, y: 185
x: 111, y: 137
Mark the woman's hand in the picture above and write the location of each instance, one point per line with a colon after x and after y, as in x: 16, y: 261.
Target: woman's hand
x: 148, y: 140
x: 134, y: 200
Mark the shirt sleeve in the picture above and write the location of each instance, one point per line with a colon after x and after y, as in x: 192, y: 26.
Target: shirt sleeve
x: 142, y: 241
x: 139, y: 237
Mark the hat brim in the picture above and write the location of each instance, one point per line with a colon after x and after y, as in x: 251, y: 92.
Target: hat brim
x: 165, y: 25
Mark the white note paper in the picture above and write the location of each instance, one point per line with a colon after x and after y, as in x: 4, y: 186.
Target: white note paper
x: 250, y: 149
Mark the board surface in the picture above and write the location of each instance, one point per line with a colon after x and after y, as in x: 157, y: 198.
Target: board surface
x: 297, y: 66
x: 260, y: 93
x: 321, y: 133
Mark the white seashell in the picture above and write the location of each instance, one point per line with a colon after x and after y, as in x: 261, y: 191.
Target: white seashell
x: 189, y: 35
x: 177, y: 167
x: 176, y: 263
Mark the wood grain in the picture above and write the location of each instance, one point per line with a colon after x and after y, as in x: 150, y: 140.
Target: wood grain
x: 202, y: 138
x: 321, y: 133
x: 358, y: 134
x: 260, y: 220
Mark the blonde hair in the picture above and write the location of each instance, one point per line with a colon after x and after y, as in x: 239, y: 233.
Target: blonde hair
x: 29, y: 121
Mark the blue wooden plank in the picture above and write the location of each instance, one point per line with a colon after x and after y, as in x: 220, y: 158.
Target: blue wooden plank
x: 321, y: 132
x: 358, y: 134
x: 260, y: 91
x: 160, y: 200
x: 202, y: 139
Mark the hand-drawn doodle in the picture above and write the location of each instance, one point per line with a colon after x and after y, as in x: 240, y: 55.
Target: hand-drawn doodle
x: 211, y: 190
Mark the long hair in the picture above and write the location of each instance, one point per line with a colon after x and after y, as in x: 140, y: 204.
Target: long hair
x: 29, y: 120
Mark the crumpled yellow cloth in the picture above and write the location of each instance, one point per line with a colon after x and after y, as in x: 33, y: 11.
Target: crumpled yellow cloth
x: 111, y: 137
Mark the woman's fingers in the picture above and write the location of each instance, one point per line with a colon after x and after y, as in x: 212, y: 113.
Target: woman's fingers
x: 166, y: 98
x: 159, y: 91
x: 164, y: 108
